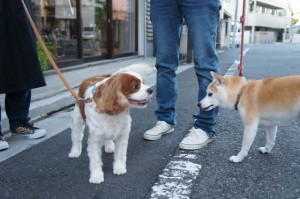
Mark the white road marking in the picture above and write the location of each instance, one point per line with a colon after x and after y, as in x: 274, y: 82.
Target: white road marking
x: 177, y: 178
x: 234, y: 67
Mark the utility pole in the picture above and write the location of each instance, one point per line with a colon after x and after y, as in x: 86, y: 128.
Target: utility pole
x: 253, y: 21
x: 235, y: 23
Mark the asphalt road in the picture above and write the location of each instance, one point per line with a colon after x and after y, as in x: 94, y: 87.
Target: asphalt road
x: 45, y: 171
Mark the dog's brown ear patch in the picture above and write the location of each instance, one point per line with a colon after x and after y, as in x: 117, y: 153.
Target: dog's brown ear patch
x: 110, y: 98
x: 84, y: 85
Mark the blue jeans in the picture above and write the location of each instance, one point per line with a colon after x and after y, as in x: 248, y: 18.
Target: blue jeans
x: 17, y: 108
x: 202, y: 19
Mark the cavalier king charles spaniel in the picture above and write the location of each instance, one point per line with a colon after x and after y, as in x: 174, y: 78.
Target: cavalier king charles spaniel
x: 105, y: 110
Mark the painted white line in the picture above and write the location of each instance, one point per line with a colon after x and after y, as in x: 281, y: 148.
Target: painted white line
x: 177, y: 179
x: 232, y: 70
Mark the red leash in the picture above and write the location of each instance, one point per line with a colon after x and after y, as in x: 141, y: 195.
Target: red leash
x: 242, y: 20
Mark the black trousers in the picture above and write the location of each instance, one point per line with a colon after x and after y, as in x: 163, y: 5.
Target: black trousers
x: 17, y: 108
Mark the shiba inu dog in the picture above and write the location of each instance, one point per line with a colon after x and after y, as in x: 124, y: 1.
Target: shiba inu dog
x: 270, y: 101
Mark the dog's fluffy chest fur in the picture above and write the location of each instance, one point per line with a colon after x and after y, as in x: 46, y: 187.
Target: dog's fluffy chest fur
x: 109, y: 126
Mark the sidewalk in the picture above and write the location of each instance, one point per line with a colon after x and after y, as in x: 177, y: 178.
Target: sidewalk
x: 51, y: 105
x: 55, y: 96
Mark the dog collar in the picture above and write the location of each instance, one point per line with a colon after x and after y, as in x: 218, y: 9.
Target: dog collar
x: 89, y: 100
x: 239, y: 97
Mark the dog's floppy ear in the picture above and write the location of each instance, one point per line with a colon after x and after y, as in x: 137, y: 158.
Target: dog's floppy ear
x: 109, y: 97
x: 217, y: 78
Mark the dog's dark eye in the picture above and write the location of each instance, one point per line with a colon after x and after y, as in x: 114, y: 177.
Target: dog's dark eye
x: 136, y: 86
x: 209, y: 94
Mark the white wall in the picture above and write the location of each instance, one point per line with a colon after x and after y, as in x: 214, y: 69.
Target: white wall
x: 264, y: 37
x: 296, y: 38
x: 267, y: 20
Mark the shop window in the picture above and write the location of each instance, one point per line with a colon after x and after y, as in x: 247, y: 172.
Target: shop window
x: 57, y: 23
x: 94, y: 27
x: 123, y: 33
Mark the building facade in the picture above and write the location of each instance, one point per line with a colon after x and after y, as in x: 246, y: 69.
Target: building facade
x: 265, y: 20
x: 80, y: 31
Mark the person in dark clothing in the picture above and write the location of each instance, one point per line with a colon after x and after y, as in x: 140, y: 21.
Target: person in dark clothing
x: 20, y: 70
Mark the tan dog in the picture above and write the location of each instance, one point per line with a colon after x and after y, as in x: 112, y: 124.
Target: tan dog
x: 270, y: 101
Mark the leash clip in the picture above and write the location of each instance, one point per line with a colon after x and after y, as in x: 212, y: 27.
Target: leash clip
x: 88, y: 100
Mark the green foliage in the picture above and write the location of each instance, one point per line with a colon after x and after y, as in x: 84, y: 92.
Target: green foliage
x: 294, y: 21
x: 43, y: 59
x: 100, y: 15
x: 298, y: 32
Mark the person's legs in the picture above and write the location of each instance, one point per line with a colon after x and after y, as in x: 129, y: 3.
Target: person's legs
x: 202, y: 18
x: 17, y: 108
x: 0, y: 123
x: 167, y: 22
x: 3, y: 144
x: 167, y: 25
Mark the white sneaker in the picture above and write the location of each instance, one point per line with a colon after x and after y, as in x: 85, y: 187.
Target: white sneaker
x: 3, y: 144
x: 158, y: 130
x: 196, y: 139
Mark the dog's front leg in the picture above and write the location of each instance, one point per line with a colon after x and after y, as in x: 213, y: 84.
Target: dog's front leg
x: 270, y: 139
x: 94, y: 153
x: 250, y: 130
x: 78, y: 125
x: 120, y: 157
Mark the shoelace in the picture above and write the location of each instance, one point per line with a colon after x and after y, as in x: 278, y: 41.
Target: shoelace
x: 29, y: 126
x: 159, y: 125
x: 193, y: 133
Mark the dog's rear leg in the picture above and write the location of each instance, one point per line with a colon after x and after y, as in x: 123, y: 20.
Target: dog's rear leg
x: 250, y: 130
x: 270, y: 139
x: 78, y: 125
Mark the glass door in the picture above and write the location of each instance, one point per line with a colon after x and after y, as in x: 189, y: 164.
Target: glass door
x: 94, y: 28
x: 57, y: 23
x: 123, y: 27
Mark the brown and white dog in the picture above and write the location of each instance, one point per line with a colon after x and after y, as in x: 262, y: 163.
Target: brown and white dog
x: 270, y: 101
x: 106, y: 113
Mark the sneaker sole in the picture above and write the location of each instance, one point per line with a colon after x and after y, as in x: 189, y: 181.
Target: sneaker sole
x: 156, y: 137
x: 36, y: 135
x: 3, y: 146
x: 194, y: 146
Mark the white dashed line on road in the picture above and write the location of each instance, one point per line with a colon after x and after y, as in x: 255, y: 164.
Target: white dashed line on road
x: 177, y: 178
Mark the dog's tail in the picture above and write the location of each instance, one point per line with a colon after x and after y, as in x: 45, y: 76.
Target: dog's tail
x: 141, y: 68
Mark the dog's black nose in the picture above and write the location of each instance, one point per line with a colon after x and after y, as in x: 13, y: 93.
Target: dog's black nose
x: 150, y: 91
x: 199, y: 105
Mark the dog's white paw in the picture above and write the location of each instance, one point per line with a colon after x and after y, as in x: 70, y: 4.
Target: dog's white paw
x: 109, y: 146
x: 235, y: 159
x: 97, y: 178
x: 119, y: 169
x: 74, y: 153
x: 263, y: 150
